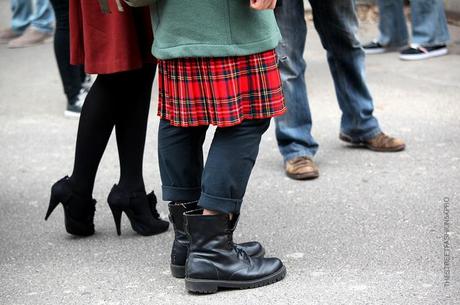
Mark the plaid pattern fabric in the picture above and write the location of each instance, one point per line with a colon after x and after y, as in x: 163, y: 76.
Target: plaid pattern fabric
x: 219, y: 91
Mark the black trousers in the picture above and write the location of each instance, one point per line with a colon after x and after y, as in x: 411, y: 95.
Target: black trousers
x: 71, y: 76
x: 221, y: 183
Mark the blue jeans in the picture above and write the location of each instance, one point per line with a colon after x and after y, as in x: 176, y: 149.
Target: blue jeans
x: 337, y: 26
x: 429, y: 25
x: 25, y: 14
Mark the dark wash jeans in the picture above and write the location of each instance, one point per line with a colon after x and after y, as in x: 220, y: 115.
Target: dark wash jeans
x: 220, y: 184
x: 337, y: 27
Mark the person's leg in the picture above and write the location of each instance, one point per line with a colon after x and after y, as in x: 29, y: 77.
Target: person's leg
x: 392, y: 23
x: 95, y: 127
x: 180, y: 156
x: 21, y: 12
x: 231, y: 158
x: 129, y: 101
x: 132, y: 109
x: 71, y: 76
x: 43, y: 17
x: 40, y: 29
x: 96, y: 124
x: 293, y: 129
x: 181, y: 165
x: 214, y: 260
x: 429, y: 24
x: 337, y: 26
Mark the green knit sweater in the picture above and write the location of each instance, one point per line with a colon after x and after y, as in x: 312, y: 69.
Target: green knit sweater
x: 211, y: 28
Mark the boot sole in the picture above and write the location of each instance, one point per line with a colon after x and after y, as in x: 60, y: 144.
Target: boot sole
x: 370, y: 147
x: 309, y: 176
x: 212, y: 286
x: 178, y: 271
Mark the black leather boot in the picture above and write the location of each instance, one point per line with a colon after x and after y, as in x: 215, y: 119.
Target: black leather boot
x: 78, y: 210
x: 214, y: 261
x: 140, y: 209
x: 180, y: 245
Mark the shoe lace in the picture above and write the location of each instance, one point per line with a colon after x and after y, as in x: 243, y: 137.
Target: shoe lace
x: 153, y: 208
x: 81, y: 97
x: 240, y: 252
x: 155, y: 213
x: 231, y: 245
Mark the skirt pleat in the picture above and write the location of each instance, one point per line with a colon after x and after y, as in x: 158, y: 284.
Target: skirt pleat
x: 220, y: 91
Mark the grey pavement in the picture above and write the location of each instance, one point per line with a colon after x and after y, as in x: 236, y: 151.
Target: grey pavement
x: 370, y: 230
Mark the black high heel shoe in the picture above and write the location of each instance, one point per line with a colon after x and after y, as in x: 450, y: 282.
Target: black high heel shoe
x: 140, y: 209
x: 78, y: 211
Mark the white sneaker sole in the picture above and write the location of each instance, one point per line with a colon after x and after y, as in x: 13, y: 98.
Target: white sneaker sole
x: 431, y: 54
x: 375, y: 51
x: 71, y: 114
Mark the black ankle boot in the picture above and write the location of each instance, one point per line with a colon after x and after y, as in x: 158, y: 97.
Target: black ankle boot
x: 180, y: 245
x: 140, y: 209
x: 78, y: 210
x: 215, y: 262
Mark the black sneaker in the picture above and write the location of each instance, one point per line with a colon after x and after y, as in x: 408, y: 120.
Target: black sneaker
x: 74, y: 106
x: 419, y: 52
x: 87, y: 82
x: 374, y: 47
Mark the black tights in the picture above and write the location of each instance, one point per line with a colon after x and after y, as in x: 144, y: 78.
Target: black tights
x: 121, y: 100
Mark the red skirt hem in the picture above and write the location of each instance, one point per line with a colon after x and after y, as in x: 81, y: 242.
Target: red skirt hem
x: 226, y: 124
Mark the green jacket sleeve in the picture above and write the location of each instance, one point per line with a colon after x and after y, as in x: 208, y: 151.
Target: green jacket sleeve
x: 104, y: 4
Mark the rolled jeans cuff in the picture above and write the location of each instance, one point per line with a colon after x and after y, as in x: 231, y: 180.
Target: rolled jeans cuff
x: 172, y: 193
x: 364, y: 137
x: 220, y: 204
x: 370, y: 135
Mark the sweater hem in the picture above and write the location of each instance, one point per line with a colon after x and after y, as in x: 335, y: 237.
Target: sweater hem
x: 211, y: 50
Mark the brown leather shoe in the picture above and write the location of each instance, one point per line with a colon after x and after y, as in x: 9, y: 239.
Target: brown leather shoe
x: 8, y: 34
x: 381, y: 142
x: 301, y: 168
x: 30, y: 38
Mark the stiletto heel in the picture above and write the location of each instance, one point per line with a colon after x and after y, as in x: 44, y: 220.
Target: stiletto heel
x: 53, y: 204
x: 140, y: 209
x: 78, y: 210
x: 117, y: 218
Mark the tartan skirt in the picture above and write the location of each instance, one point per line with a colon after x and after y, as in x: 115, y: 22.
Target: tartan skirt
x: 220, y: 91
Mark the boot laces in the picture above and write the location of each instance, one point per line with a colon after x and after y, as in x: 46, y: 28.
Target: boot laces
x: 240, y: 252
x: 231, y: 245
x: 152, y: 201
x: 155, y: 213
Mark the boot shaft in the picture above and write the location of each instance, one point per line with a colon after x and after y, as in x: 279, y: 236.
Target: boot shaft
x: 181, y: 243
x: 176, y: 214
x: 208, y: 232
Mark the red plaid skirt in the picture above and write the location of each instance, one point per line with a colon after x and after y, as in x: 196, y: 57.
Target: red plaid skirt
x: 219, y: 91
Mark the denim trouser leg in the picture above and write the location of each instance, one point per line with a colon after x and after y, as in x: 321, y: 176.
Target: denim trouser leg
x: 337, y: 26
x: 180, y: 155
x: 293, y: 129
x: 429, y: 24
x: 43, y: 16
x: 392, y: 23
x: 226, y: 174
x: 21, y: 12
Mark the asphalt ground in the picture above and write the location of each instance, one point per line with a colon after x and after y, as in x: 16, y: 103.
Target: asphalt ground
x: 373, y: 229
